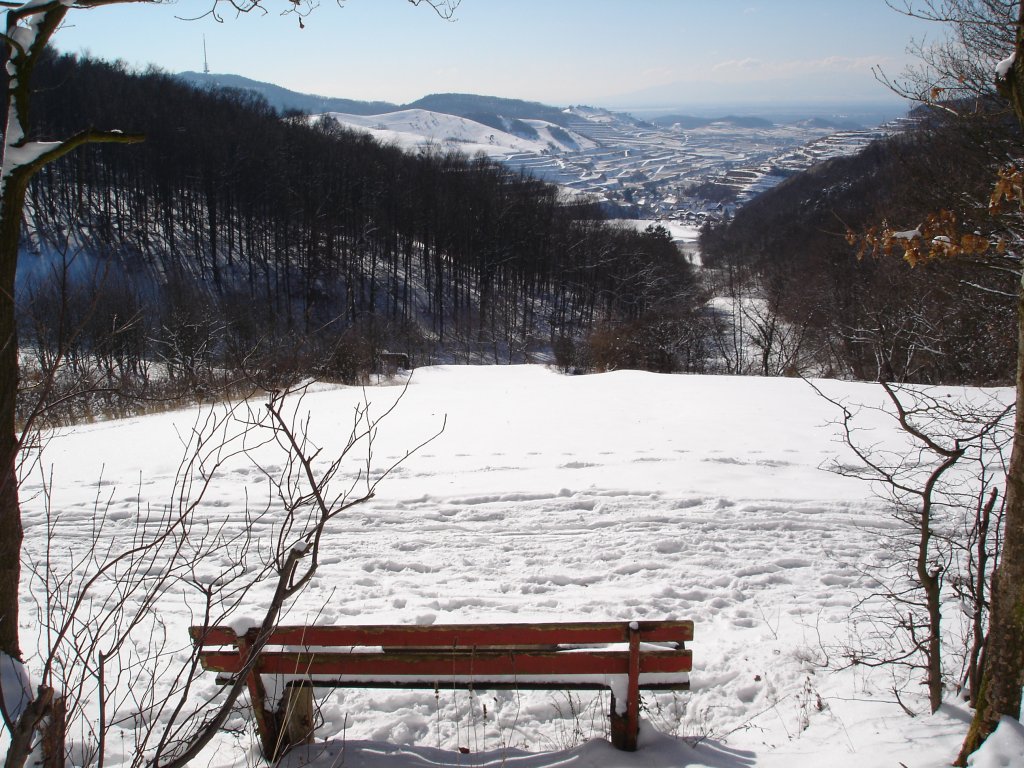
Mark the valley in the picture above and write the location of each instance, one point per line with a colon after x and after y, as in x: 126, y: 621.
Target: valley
x: 650, y: 171
x: 638, y: 169
x: 681, y: 170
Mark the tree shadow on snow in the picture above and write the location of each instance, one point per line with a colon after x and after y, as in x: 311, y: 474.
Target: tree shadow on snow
x: 716, y: 755
x: 656, y: 751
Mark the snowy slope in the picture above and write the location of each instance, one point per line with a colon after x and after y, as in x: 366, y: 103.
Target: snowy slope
x: 413, y: 129
x: 615, y: 496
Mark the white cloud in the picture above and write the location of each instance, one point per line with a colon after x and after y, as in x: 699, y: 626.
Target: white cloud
x: 744, y: 65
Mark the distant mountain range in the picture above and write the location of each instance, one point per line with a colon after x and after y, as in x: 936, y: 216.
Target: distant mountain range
x: 690, y: 122
x: 499, y: 113
x: 489, y: 110
x: 284, y: 100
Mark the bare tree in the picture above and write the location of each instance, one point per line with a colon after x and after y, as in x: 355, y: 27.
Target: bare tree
x: 751, y: 334
x: 1003, y: 674
x: 109, y: 665
x: 982, y: 56
x: 28, y: 28
x: 955, y: 68
x: 932, y: 484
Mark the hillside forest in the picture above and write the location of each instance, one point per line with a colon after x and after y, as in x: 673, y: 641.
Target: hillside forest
x: 237, y: 243
x: 811, y: 305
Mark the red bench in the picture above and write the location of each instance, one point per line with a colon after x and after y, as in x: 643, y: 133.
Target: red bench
x: 626, y: 657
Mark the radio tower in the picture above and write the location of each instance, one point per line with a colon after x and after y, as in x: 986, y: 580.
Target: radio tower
x: 206, y: 64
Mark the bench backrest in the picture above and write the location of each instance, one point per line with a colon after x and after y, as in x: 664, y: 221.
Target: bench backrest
x: 454, y: 635
x: 578, y: 655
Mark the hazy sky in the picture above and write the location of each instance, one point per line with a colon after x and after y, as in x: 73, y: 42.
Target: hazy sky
x: 603, y: 52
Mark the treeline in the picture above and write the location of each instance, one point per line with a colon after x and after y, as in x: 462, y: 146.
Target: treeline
x: 818, y: 309
x: 235, y: 234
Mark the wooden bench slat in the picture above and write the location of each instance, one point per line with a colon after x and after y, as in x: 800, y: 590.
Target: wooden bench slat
x: 477, y: 684
x: 583, y: 633
x: 439, y: 664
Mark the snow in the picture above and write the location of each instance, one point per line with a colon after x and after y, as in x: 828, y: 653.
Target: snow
x: 685, y: 236
x: 909, y: 234
x: 1004, y: 748
x: 680, y: 232
x: 14, y: 685
x: 1003, y: 67
x: 415, y: 129
x: 25, y: 154
x: 624, y: 496
x: 16, y: 151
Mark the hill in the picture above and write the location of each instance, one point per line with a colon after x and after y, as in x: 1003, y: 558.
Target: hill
x: 831, y: 123
x: 880, y: 318
x: 416, y: 129
x: 489, y: 110
x: 512, y: 116
x: 690, y: 122
x: 284, y: 100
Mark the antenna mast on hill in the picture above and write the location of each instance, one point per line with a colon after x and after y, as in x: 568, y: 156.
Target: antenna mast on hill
x: 206, y: 64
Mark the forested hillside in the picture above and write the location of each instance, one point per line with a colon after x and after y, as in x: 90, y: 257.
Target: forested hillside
x: 284, y: 100
x: 236, y: 242
x: 489, y: 110
x: 233, y: 235
x: 951, y: 321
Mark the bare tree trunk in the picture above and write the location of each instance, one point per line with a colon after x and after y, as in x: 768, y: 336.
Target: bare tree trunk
x: 24, y: 728
x: 10, y: 515
x: 54, y: 735
x: 1003, y: 673
x: 21, y: 159
x: 975, y: 660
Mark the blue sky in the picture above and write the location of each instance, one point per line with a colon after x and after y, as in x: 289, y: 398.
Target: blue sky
x: 618, y: 53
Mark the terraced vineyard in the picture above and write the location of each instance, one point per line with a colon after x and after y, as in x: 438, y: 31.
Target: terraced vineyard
x: 652, y: 171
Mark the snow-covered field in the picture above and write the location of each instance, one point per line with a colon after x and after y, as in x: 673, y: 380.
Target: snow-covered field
x: 681, y: 233
x: 616, y: 496
x: 685, y: 236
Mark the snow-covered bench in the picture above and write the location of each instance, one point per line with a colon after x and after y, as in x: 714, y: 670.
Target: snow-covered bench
x: 626, y: 657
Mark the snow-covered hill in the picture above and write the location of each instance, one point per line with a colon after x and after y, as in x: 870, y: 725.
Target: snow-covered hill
x: 615, y: 496
x: 415, y: 129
